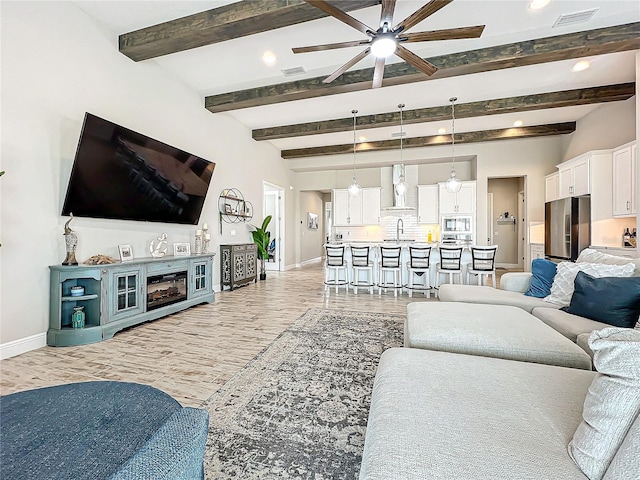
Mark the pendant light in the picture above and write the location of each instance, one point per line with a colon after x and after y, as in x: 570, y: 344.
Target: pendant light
x: 453, y: 183
x: 354, y: 188
x: 401, y: 187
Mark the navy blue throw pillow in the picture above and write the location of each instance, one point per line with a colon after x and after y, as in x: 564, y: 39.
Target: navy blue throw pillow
x: 611, y: 300
x: 543, y: 271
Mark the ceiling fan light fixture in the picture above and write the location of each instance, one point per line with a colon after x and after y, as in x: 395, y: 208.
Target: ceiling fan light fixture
x: 383, y: 46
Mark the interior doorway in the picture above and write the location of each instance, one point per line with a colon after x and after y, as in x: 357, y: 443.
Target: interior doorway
x: 506, y: 218
x: 273, y: 204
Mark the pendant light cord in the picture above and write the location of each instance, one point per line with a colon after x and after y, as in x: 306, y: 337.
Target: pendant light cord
x: 401, y: 106
x: 354, y: 112
x: 453, y: 132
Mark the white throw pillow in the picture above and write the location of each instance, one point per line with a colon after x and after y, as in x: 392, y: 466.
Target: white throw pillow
x: 612, y: 403
x: 562, y: 288
x: 589, y: 255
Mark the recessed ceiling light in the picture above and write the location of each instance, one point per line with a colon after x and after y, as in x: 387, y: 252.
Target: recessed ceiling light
x: 362, y: 138
x: 538, y: 4
x: 517, y: 123
x: 581, y: 65
x: 269, y: 58
x: 442, y: 130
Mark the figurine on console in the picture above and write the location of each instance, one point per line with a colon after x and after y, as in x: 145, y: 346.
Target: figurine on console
x: 158, y: 249
x: 71, y: 242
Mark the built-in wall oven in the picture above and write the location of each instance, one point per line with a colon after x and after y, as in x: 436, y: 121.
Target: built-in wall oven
x: 457, y: 229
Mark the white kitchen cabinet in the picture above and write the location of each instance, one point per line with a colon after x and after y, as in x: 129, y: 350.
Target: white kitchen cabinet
x: 624, y: 180
x: 428, y: 204
x: 358, y: 210
x: 462, y: 202
x: 551, y: 187
x: 370, y: 206
x: 573, y: 177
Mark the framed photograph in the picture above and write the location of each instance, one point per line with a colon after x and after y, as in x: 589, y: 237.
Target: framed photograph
x: 126, y: 253
x: 227, y: 208
x: 181, y: 249
x: 312, y: 221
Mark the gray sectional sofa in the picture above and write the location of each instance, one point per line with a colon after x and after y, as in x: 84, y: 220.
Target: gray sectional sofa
x: 441, y: 415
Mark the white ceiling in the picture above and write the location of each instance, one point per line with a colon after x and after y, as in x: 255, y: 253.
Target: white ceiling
x: 236, y: 64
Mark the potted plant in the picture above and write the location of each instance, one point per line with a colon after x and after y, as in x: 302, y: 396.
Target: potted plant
x: 261, y: 238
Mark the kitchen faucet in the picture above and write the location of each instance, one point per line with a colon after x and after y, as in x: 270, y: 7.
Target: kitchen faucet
x: 399, y: 229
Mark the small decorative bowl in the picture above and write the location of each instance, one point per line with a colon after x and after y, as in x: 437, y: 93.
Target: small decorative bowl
x: 77, y: 291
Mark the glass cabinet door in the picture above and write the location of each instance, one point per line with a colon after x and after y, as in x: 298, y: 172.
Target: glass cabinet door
x: 200, y: 278
x: 128, y: 299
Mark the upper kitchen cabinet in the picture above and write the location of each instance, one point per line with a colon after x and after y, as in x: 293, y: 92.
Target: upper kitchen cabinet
x: 463, y: 202
x: 573, y: 177
x: 428, y: 204
x: 370, y: 206
x: 551, y: 187
x: 358, y: 210
x: 624, y: 180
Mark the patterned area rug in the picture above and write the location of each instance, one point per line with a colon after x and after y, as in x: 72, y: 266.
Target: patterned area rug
x: 299, y: 409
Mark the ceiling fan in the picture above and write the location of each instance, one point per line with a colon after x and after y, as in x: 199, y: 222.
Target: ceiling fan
x: 386, y: 41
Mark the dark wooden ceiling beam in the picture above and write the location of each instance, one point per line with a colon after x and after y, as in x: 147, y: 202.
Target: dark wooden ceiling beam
x: 525, y: 103
x: 239, y: 19
x: 417, y: 142
x: 530, y: 52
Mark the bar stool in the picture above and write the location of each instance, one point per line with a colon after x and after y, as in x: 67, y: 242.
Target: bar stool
x: 361, y: 262
x: 419, y: 265
x: 449, y: 264
x: 334, y: 264
x: 483, y: 262
x: 390, y: 263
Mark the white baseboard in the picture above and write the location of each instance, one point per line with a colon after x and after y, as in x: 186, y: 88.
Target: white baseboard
x: 310, y: 261
x: 23, y: 345
x: 508, y: 265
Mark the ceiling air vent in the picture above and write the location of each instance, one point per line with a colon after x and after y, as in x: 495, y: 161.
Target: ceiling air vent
x: 574, y: 18
x: 292, y: 72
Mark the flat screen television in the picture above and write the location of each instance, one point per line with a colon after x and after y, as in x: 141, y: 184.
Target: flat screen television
x: 121, y: 174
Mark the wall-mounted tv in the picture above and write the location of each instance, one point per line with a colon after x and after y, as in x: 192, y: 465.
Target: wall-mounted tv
x: 121, y: 174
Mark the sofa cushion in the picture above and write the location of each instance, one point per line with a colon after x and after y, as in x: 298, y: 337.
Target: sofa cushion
x: 567, y: 324
x: 499, y: 331
x: 613, y: 401
x: 589, y: 255
x: 625, y: 463
x: 611, y: 300
x: 563, y: 282
x: 543, y: 271
x: 442, y: 415
x: 583, y: 342
x: 489, y: 295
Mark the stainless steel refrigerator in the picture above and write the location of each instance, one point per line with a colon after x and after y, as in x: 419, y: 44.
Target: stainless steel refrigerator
x: 567, y: 228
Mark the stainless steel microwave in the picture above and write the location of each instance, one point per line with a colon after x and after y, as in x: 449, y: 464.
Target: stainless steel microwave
x: 461, y: 224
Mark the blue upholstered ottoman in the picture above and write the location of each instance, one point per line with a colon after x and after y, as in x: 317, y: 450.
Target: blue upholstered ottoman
x: 100, y: 430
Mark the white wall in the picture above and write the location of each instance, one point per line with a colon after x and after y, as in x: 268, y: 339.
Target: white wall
x: 608, y: 126
x: 56, y: 65
x: 311, y: 240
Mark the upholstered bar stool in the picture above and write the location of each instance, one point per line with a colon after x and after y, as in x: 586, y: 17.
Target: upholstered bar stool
x: 449, y: 264
x: 390, y: 264
x: 361, y: 263
x: 419, y: 266
x: 334, y: 264
x: 483, y: 263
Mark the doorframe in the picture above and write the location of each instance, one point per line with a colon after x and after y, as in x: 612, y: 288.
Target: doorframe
x: 522, y: 213
x: 270, y: 189
x: 522, y: 221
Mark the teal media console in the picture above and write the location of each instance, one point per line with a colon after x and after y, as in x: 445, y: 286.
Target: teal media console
x: 121, y: 295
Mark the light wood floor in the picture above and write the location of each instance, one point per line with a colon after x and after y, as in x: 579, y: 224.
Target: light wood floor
x: 192, y: 354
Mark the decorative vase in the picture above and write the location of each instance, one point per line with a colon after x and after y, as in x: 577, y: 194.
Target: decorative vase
x: 77, y: 319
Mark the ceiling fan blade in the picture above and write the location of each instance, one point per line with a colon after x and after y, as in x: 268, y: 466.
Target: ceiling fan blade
x: 388, y: 6
x: 420, y: 63
x: 340, y: 15
x: 347, y: 66
x: 416, y: 17
x: 330, y: 46
x: 378, y: 73
x: 448, y: 34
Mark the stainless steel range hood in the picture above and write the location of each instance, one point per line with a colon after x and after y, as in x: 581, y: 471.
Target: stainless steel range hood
x: 392, y: 202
